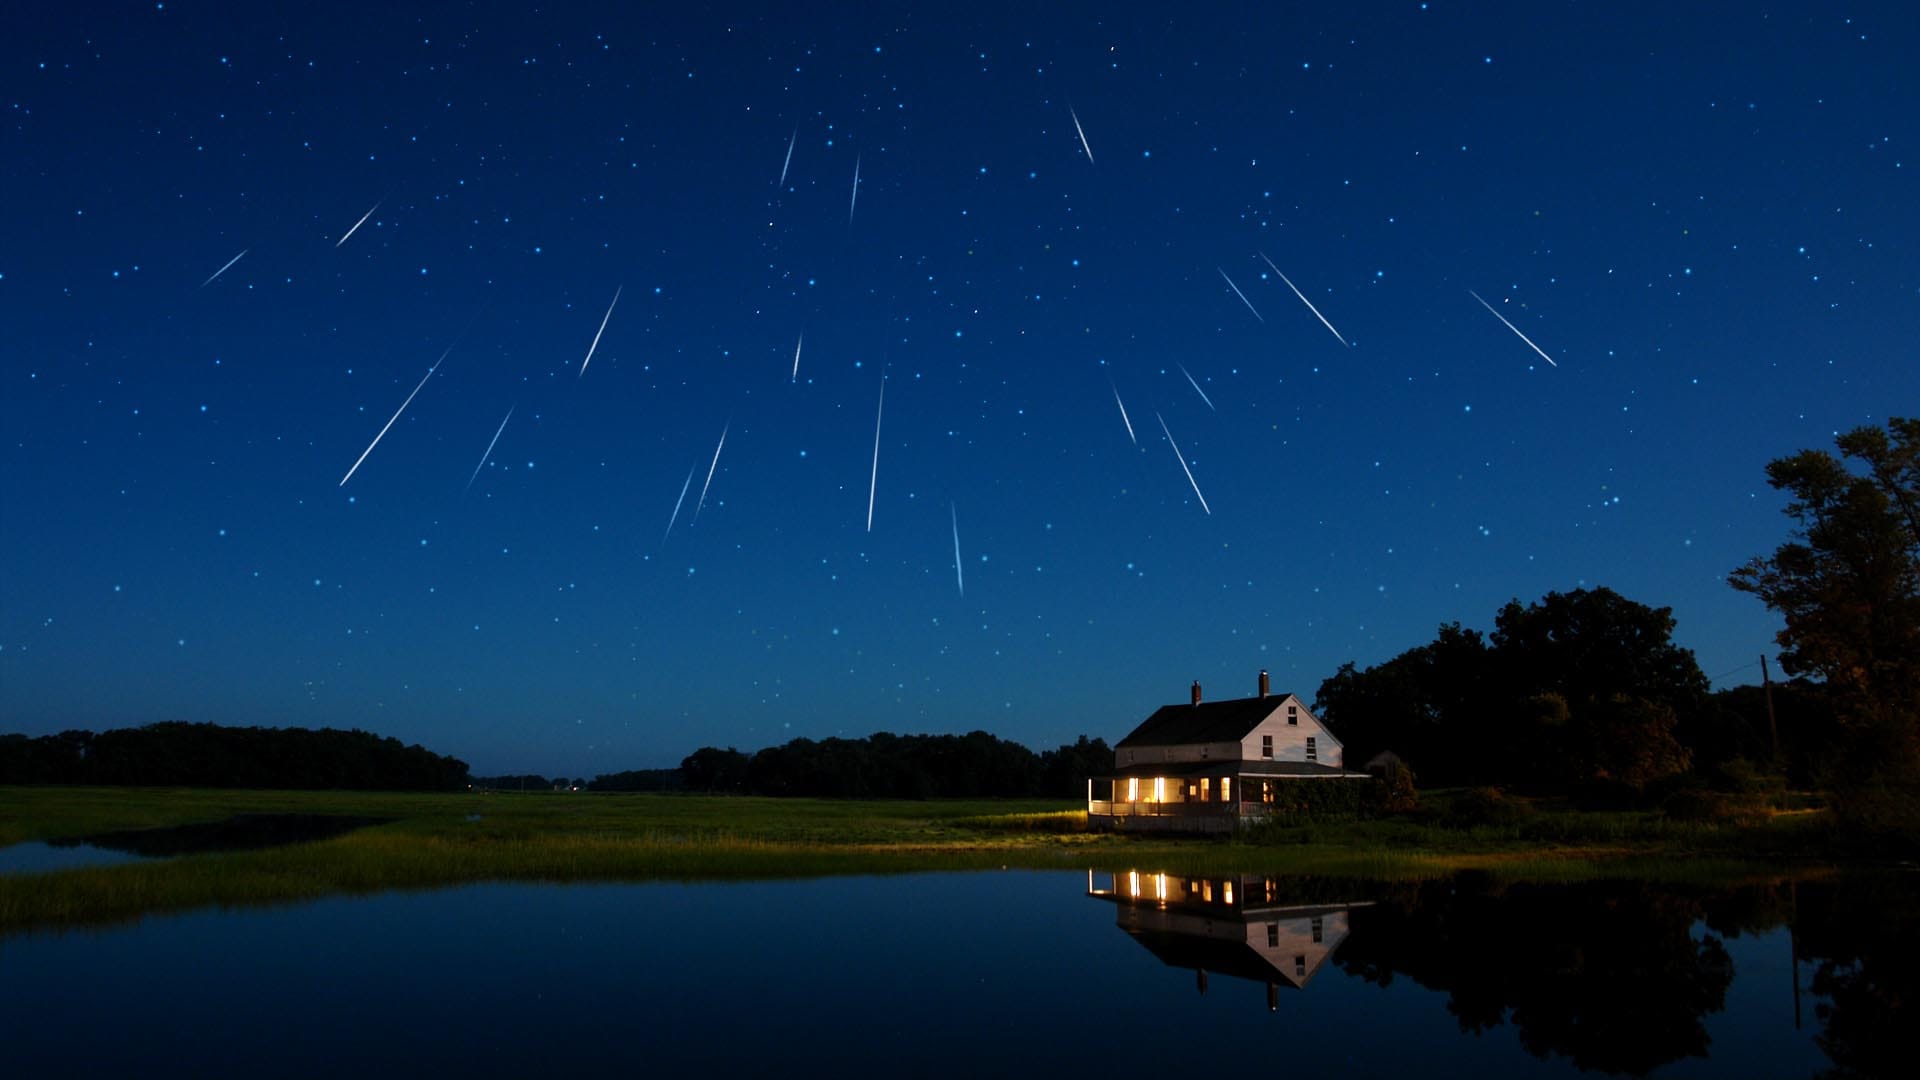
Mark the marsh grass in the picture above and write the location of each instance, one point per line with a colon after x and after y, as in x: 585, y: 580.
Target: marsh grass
x: 433, y: 840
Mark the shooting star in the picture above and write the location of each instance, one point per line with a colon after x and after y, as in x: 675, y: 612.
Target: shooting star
x: 1123, y: 413
x: 676, y: 506
x: 602, y: 330
x: 789, y: 161
x: 1082, y: 133
x: 489, y: 453
x: 357, y: 224
x: 223, y: 269
x: 1241, y: 295
x: 1183, y: 465
x: 873, y: 481
x: 959, y: 577
x: 1309, y: 303
x: 855, y: 198
x: 796, y: 356
x: 396, y: 416
x: 1503, y: 319
x: 702, y: 504
x: 1196, y: 386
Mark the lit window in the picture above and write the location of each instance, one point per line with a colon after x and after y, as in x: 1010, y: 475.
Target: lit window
x: 1206, y: 892
x: 1206, y: 789
x: 1133, y: 883
x: 1266, y: 746
x: 1226, y: 789
x: 1226, y: 891
x: 1160, y: 886
x: 1159, y: 789
x: 1312, y: 754
x: 1266, y: 791
x: 1133, y: 789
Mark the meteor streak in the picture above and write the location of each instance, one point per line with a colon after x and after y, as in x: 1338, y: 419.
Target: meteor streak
x: 223, y: 269
x: 396, y: 416
x: 854, y: 199
x: 489, y: 453
x: 1241, y: 295
x: 1082, y: 133
x: 789, y: 161
x: 796, y: 356
x: 702, y: 504
x: 602, y: 330
x: 357, y: 224
x: 873, y: 481
x: 1309, y: 303
x: 676, y: 506
x: 959, y: 578
x: 1196, y: 386
x: 1123, y: 413
x: 1503, y: 319
x: 1183, y: 465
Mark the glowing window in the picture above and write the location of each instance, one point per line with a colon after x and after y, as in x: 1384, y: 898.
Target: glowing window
x: 1266, y: 791
x: 1133, y: 789
x: 1133, y: 883
x: 1206, y: 789
x: 1226, y: 789
x: 1159, y: 789
x: 1226, y: 891
x: 1206, y: 891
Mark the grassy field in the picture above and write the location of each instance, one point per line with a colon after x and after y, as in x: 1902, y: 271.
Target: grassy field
x: 433, y: 840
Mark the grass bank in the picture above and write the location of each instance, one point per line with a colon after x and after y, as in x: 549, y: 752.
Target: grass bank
x: 434, y: 840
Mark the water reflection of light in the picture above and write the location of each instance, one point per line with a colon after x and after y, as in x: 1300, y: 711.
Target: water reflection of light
x: 1133, y: 883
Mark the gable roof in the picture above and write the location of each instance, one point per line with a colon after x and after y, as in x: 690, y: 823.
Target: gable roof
x: 1207, y: 722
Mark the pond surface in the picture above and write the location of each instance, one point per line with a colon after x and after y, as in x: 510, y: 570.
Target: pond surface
x: 1022, y: 973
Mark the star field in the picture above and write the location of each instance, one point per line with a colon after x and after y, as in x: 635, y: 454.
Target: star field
x: 634, y: 244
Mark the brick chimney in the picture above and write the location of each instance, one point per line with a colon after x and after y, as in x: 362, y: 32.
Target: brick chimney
x: 1266, y: 687
x: 1196, y: 691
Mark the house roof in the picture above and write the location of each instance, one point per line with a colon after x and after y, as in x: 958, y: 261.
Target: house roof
x: 1209, y: 721
x: 1252, y: 770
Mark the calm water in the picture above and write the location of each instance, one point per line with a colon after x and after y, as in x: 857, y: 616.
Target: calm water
x: 1066, y: 974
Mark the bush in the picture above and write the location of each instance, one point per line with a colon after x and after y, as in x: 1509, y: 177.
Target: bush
x: 1487, y: 806
x: 1693, y: 804
x: 1303, y: 802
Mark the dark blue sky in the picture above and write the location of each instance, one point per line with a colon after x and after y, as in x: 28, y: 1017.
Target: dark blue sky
x: 1705, y: 215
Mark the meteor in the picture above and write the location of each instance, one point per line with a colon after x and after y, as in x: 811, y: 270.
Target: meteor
x: 1123, y: 413
x: 1309, y: 303
x: 873, y: 481
x: 602, y: 330
x: 1241, y: 295
x: 1196, y: 386
x: 959, y: 578
x: 702, y: 504
x: 223, y: 269
x: 1503, y: 319
x: 854, y: 199
x: 396, y: 416
x: 676, y: 506
x: 489, y: 453
x: 357, y: 224
x: 789, y: 161
x: 1183, y: 465
x: 796, y: 356
x: 1082, y: 133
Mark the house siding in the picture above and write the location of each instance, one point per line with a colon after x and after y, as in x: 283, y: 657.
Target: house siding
x: 1290, y: 740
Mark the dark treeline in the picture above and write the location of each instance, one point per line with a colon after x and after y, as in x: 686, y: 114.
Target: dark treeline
x: 886, y: 766
x: 1582, y: 692
x: 179, y: 754
x: 639, y: 780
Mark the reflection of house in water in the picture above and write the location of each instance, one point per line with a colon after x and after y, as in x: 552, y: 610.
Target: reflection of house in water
x: 1243, y: 927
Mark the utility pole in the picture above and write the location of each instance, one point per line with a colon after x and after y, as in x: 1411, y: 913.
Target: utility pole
x: 1773, y: 726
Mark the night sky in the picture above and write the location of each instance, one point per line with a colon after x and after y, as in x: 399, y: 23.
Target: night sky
x: 1704, y: 214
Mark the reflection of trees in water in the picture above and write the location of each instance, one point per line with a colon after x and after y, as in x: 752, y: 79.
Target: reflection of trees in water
x: 1862, y: 939
x: 1611, y: 976
x: 1608, y: 975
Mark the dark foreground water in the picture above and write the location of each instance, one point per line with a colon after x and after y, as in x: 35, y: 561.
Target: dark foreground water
x: 1013, y: 973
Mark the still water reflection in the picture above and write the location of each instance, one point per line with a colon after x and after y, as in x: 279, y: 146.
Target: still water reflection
x: 989, y: 974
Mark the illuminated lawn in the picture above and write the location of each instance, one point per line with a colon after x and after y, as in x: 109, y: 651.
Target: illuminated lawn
x: 439, y: 840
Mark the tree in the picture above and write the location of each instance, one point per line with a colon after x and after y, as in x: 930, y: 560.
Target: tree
x: 1847, y: 585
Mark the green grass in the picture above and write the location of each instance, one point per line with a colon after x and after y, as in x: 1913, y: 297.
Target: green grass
x: 437, y: 840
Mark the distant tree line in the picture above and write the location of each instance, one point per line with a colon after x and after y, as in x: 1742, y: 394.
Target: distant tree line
x: 888, y: 766
x: 177, y: 754
x: 1582, y: 692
